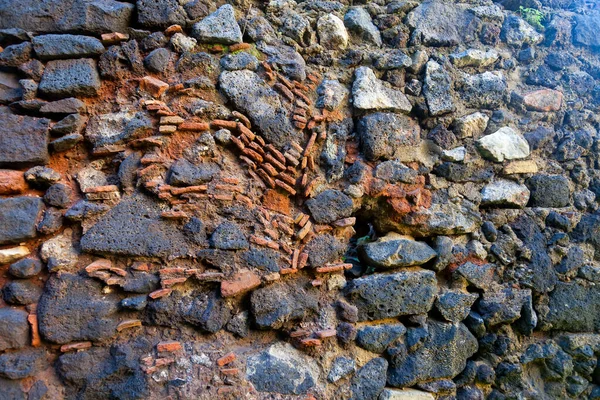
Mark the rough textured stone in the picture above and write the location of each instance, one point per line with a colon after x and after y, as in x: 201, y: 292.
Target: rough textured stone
x: 382, y: 133
x: 21, y: 293
x: 405, y: 394
x: 517, y: 32
x: 359, y: 21
x: 49, y: 47
x: 436, y: 23
x: 218, y: 27
x: 381, y: 296
x: 74, y: 309
x: 23, y: 140
x: 332, y: 32
x: 545, y: 100
x: 549, y: 191
x: 66, y: 78
x: 340, y: 368
x: 487, y: 90
x: 14, y: 329
x: 573, y: 307
x: 472, y: 125
x: 504, y: 144
x: 251, y: 95
x: 123, y: 231
x: 586, y: 28
x: 160, y: 13
x: 229, y: 236
x: 437, y: 89
x: 23, y: 364
x: 282, y: 369
x: 369, y: 381
x: 279, y: 303
x: 330, y: 205
x: 18, y: 217
x: 370, y: 94
x: 455, y: 305
x: 97, y: 16
x: 474, y: 58
x: 443, y: 354
x: 504, y: 193
x: 377, y: 338
x: 394, y: 250
x: 116, y: 128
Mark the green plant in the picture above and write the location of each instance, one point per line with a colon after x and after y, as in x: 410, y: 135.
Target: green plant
x: 533, y: 16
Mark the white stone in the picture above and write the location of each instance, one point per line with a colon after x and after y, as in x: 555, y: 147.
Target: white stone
x: 13, y: 254
x: 505, y: 193
x: 471, y: 125
x: 405, y: 394
x: 59, y: 251
x: 457, y: 154
x: 332, y: 32
x: 369, y: 93
x: 182, y: 43
x: 474, y: 58
x: 504, y: 144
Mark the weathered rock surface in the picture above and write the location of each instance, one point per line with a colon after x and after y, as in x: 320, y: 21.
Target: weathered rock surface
x: 504, y: 193
x: 382, y: 133
x: 18, y: 218
x: 279, y: 303
x: 218, y: 27
x: 123, y: 231
x: 394, y: 250
x: 23, y: 140
x: 504, y: 144
x: 370, y: 94
x: 14, y: 329
x: 382, y: 296
x: 443, y: 354
x: 73, y: 309
x: 437, y: 89
x: 49, y: 47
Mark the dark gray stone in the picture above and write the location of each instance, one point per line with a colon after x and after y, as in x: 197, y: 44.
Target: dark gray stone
x: 72, y: 123
x: 240, y: 324
x: 137, y: 303
x: 58, y: 195
x: 66, y: 142
x: 382, y: 296
x: 11, y: 390
x: 330, y: 205
x: 70, y: 105
x: 586, y: 30
x: 283, y: 370
x: 377, y: 338
x: 160, y: 13
x: 480, y: 276
x: 74, y: 309
x: 184, y: 173
x: 66, y: 78
x: 18, y: 217
x: 504, y: 306
x: 25, y: 268
x: 124, y: 231
x: 218, y: 27
x: 23, y: 140
x: 394, y: 250
x: 443, y: 354
x: 573, y: 307
x: 487, y: 90
x: 455, y: 305
x: 382, y: 133
x: 229, y: 236
x: 286, y: 58
x: 21, y: 292
x: 50, y: 47
x: 14, y: 329
x: 85, y: 16
x: 437, y: 23
x: 548, y: 191
x: 394, y: 171
x: 158, y: 60
x: 141, y: 282
x: 261, y: 258
x: 279, y: 303
x: 324, y: 249
x: 16, y: 54
x: 240, y: 60
x: 369, y: 381
x: 252, y: 96
x: 22, y: 364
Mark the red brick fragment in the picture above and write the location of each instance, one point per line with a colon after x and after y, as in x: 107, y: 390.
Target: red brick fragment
x: 226, y: 359
x: 160, y: 293
x: 12, y: 182
x: 154, y: 86
x: 240, y: 283
x: 170, y: 346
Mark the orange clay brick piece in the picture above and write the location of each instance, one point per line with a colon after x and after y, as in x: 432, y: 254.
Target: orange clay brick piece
x: 325, y: 333
x: 226, y: 359
x: 168, y: 346
x: 276, y: 153
x: 310, y: 342
x: 98, y: 265
x: 240, y: 283
x: 157, y: 294
x: 12, y: 182
x: 130, y: 323
x: 243, y: 129
x: 302, y: 260
x: 173, y: 29
x: 194, y: 126
x: 75, y: 346
x: 239, y: 46
x: 220, y: 123
x: 230, y: 371
x: 154, y: 86
x: 36, y: 341
x: 285, y: 186
x: 287, y: 271
x: 113, y: 37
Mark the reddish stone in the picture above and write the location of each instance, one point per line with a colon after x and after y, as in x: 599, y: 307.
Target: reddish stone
x: 242, y: 282
x: 276, y: 201
x: 544, y: 100
x: 168, y: 346
x: 226, y: 359
x: 154, y: 86
x: 12, y: 182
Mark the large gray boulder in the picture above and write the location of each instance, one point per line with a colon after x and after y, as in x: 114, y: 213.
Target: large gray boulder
x: 49, y: 47
x: 218, y: 27
x: 67, y: 78
x: 437, y: 89
x: 381, y: 134
x: 370, y: 94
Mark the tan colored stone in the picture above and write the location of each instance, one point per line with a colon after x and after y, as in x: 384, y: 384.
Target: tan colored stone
x: 521, y: 167
x: 12, y: 182
x: 13, y: 254
x: 154, y: 86
x: 545, y: 100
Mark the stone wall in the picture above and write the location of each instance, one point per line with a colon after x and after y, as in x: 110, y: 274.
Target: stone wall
x: 299, y: 200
